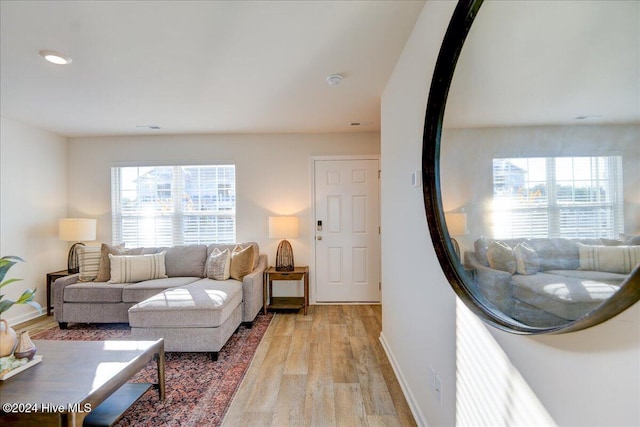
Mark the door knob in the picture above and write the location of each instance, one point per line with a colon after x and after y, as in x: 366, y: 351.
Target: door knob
x: 319, y: 237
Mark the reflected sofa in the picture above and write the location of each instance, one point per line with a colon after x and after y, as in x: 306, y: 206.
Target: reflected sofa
x: 550, y: 281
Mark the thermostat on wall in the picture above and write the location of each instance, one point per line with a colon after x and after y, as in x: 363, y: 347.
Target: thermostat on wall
x: 416, y: 179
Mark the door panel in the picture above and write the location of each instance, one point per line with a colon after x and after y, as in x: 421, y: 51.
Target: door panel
x: 348, y: 246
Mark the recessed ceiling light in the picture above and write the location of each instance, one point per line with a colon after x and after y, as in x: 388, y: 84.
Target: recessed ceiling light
x: 55, y: 57
x: 334, y: 79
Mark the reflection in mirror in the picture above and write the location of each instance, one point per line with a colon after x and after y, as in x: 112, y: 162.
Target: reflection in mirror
x: 540, y: 155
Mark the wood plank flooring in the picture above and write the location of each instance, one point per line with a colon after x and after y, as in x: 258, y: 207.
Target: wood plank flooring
x: 324, y: 369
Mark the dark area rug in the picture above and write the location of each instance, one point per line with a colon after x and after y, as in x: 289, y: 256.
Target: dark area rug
x: 198, y: 390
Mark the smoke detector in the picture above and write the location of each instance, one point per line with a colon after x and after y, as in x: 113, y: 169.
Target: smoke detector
x: 334, y: 79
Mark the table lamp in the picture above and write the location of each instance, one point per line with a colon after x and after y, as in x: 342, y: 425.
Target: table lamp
x: 284, y: 227
x: 76, y: 230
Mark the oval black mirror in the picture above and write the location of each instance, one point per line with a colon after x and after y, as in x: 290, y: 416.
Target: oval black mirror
x: 541, y: 244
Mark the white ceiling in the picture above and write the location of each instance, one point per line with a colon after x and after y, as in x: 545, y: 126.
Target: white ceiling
x: 200, y: 66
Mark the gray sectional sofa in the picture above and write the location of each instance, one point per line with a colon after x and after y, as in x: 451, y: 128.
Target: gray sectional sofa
x: 190, y: 311
x: 555, y: 282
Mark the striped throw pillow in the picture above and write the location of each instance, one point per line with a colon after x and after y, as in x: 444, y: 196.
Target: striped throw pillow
x: 136, y: 268
x: 612, y: 259
x: 88, y: 263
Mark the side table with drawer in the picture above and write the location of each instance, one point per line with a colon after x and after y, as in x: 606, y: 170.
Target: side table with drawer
x: 285, y: 303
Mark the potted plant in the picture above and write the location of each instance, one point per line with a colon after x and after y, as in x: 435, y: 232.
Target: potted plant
x: 7, y: 334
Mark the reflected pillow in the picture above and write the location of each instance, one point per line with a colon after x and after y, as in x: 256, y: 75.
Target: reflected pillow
x: 88, y: 263
x: 633, y: 241
x: 501, y: 257
x: 480, y: 247
x: 136, y: 268
x: 612, y: 259
x: 527, y: 260
x: 219, y: 265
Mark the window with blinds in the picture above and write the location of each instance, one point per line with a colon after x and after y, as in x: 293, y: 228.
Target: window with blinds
x: 572, y: 197
x: 173, y: 205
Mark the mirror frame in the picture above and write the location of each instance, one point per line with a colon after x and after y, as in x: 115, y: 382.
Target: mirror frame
x: 455, y: 36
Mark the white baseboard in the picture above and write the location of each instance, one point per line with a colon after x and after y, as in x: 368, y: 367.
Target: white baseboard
x: 415, y: 409
x: 25, y: 317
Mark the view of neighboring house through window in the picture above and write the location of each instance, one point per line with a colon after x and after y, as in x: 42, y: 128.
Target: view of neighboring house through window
x: 571, y: 197
x: 173, y: 205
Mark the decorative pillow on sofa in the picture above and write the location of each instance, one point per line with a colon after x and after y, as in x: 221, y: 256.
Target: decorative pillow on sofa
x: 527, y: 260
x: 219, y: 265
x: 501, y: 257
x: 480, y: 247
x: 104, y: 269
x: 612, y: 259
x: 136, y: 268
x: 242, y: 261
x: 88, y: 262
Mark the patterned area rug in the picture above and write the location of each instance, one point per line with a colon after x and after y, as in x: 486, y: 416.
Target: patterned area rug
x: 198, y: 390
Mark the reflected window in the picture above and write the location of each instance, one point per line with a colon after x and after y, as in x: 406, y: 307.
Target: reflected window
x: 571, y: 197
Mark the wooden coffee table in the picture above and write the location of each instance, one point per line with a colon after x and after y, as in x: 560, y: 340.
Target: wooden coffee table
x: 74, y: 378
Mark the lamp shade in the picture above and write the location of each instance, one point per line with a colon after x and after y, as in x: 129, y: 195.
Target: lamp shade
x: 283, y: 227
x: 456, y: 223
x: 77, y: 229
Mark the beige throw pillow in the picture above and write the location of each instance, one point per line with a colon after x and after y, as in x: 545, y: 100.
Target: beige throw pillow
x: 527, y: 261
x: 611, y: 259
x: 501, y: 257
x: 104, y: 269
x: 241, y: 262
x: 219, y: 265
x: 136, y: 268
x: 88, y: 263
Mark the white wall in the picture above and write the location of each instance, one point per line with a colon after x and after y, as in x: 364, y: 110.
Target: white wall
x: 272, y: 176
x: 588, y: 378
x: 33, y: 175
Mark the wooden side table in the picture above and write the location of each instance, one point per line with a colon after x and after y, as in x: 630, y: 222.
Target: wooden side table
x: 52, y: 277
x: 279, y: 303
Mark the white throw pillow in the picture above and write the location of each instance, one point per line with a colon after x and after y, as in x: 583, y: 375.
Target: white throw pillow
x: 136, y: 268
x: 527, y: 260
x: 88, y: 263
x: 612, y: 259
x: 219, y: 265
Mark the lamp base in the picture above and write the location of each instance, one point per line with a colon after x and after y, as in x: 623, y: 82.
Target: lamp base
x: 284, y: 257
x: 72, y: 260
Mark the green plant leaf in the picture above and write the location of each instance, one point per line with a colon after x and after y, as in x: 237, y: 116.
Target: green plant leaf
x: 27, y: 295
x: 6, y: 262
x: 6, y: 305
x: 35, y: 305
x: 8, y: 281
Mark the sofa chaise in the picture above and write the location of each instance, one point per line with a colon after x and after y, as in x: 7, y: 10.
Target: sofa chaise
x: 180, y: 302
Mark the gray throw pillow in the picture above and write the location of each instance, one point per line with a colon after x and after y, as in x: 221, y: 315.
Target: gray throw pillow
x: 501, y: 257
x: 104, y: 269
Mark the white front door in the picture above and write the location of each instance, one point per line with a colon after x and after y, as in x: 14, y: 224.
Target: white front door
x: 347, y: 230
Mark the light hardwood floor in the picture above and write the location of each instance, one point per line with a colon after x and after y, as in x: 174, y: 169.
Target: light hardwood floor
x: 324, y: 369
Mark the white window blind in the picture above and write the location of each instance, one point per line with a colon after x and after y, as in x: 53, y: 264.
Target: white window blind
x: 173, y: 205
x: 572, y: 197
